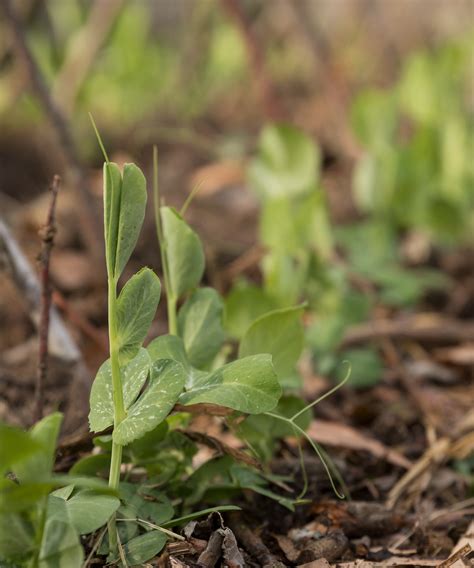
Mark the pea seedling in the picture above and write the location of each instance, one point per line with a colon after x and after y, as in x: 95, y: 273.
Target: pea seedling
x: 137, y: 388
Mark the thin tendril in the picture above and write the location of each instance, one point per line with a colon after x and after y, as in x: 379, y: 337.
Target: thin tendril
x: 315, y: 448
x: 303, y: 469
x: 99, y: 139
x: 190, y: 198
x: 325, y: 395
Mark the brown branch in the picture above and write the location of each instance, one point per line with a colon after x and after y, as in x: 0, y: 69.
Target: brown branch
x: 61, y: 129
x: 47, y: 236
x: 267, y: 91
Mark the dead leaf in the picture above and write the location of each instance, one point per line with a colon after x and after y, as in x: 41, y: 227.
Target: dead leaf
x: 458, y: 355
x: 343, y: 436
x: 213, y: 177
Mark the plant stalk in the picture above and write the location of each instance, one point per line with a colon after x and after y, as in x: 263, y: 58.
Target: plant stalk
x: 172, y: 320
x: 119, y: 409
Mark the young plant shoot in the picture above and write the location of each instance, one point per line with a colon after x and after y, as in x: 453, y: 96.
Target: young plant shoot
x: 136, y: 388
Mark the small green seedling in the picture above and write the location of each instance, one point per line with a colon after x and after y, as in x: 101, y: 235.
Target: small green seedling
x: 136, y: 388
x: 42, y: 516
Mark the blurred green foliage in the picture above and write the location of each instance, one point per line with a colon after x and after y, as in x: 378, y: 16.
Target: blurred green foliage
x: 142, y: 66
x: 343, y: 273
x: 418, y: 169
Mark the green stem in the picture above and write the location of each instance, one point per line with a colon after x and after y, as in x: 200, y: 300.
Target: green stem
x: 119, y: 408
x: 172, y: 320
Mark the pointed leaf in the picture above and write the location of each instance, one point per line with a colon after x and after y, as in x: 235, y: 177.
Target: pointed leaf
x: 166, y: 384
x: 200, y: 326
x: 15, y: 446
x: 184, y: 253
x: 248, y: 385
x: 133, y: 375
x: 112, y: 190
x: 39, y: 466
x: 136, y: 308
x: 279, y: 333
x: 133, y: 199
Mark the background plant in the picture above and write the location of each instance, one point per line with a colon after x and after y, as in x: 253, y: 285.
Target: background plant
x: 302, y: 259
x: 417, y: 171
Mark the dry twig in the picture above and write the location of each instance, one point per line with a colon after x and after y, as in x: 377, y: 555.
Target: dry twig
x: 47, y: 237
x: 61, y: 343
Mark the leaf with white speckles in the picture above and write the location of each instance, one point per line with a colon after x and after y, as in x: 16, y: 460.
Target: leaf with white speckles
x: 134, y: 375
x: 167, y: 379
x: 248, y: 385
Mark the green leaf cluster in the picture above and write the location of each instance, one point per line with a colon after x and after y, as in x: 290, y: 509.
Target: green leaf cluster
x: 38, y: 527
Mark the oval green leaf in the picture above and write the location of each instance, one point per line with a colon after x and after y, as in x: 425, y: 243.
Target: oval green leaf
x: 184, y: 253
x: 172, y: 347
x: 279, y: 333
x: 200, y: 326
x: 136, y: 308
x: 144, y: 547
x: 133, y: 375
x: 167, y: 379
x: 86, y: 510
x: 248, y: 385
x: 133, y: 199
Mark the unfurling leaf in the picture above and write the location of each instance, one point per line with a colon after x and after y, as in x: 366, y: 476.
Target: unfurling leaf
x: 112, y: 190
x: 184, y: 253
x: 136, y: 308
x: 133, y: 199
x: 248, y: 385
x: 200, y: 326
x: 166, y: 383
x: 133, y: 376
